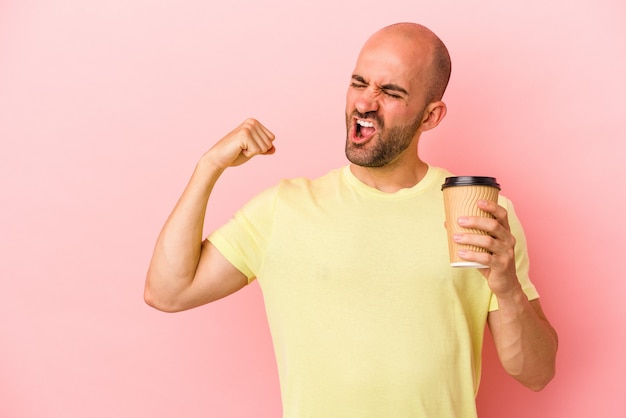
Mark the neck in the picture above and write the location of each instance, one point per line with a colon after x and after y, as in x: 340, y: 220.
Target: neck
x: 391, y: 178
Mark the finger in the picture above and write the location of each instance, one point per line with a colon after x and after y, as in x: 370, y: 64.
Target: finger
x: 487, y: 225
x: 259, y: 143
x: 251, y: 139
x: 262, y: 136
x: 258, y: 130
x: 270, y: 151
x: 268, y: 134
x: 497, y: 240
x: 494, y: 238
x: 486, y: 259
x: 487, y: 242
x: 495, y: 210
x: 499, y: 259
x: 264, y: 139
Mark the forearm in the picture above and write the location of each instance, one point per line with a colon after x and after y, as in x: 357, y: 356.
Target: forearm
x: 525, y: 340
x: 179, y: 245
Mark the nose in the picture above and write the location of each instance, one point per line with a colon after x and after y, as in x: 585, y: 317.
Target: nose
x: 366, y: 101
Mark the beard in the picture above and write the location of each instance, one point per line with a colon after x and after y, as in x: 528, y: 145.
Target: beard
x: 384, y: 147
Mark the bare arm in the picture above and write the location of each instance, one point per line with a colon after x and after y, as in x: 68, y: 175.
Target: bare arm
x: 186, y: 272
x: 525, y: 341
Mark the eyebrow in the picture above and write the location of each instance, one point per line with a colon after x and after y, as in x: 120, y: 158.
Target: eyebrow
x: 388, y: 86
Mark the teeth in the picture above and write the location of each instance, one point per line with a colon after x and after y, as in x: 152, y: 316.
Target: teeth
x: 365, y: 124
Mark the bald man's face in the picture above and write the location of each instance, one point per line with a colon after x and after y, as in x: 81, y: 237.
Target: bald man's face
x: 386, y: 100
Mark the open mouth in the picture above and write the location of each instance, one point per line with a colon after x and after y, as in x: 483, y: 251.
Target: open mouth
x: 364, y: 129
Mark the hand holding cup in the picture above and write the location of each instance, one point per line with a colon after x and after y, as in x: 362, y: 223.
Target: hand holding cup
x: 461, y: 196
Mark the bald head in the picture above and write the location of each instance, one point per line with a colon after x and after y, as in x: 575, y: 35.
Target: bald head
x: 425, y: 45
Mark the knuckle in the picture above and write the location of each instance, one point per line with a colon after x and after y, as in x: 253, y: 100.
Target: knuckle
x: 250, y: 122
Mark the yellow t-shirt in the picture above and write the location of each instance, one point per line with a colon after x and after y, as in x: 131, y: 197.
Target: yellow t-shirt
x: 367, y: 317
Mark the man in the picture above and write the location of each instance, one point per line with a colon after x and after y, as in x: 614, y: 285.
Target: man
x: 367, y: 317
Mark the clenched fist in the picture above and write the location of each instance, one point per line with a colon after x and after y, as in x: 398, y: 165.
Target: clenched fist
x: 244, y: 142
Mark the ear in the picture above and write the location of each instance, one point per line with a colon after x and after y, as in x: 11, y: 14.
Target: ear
x: 433, y: 114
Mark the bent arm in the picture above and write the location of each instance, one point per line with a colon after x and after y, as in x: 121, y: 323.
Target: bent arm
x: 525, y: 341
x: 184, y: 271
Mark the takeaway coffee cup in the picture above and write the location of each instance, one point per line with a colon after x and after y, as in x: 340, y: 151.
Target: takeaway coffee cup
x: 460, y: 197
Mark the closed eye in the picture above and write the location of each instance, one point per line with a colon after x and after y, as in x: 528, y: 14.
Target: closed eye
x: 392, y: 95
x: 358, y: 82
x: 395, y: 91
x: 390, y: 90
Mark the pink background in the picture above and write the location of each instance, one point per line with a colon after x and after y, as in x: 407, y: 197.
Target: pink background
x: 105, y: 106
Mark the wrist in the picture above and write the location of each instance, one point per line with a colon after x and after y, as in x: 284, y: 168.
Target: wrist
x: 209, y: 166
x: 512, y: 298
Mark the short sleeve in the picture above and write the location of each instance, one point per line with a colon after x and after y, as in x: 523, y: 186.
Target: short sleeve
x: 243, y: 239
